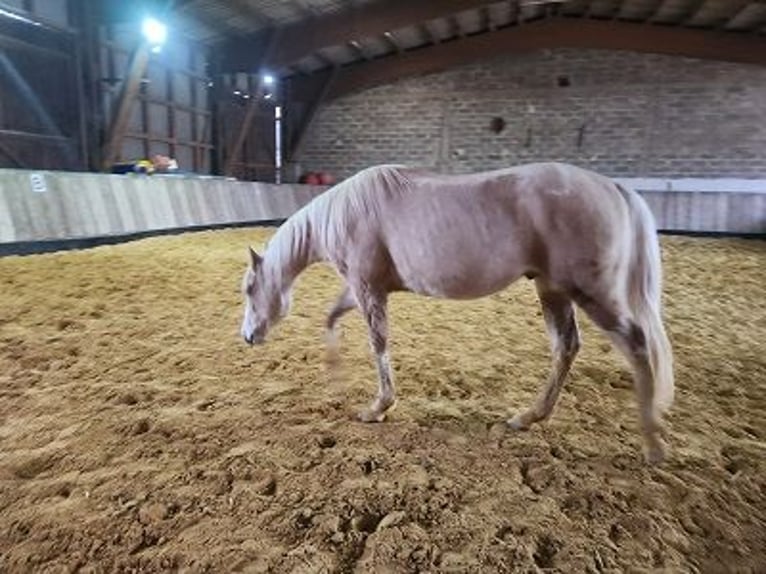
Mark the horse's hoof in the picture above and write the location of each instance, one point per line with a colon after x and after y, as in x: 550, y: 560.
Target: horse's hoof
x: 370, y: 416
x: 517, y: 423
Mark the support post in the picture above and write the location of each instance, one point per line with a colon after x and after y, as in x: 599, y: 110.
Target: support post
x: 125, y: 102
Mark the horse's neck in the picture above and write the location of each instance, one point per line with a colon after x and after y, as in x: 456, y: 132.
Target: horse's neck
x: 291, y: 252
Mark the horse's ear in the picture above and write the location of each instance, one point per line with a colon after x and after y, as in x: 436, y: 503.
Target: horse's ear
x: 255, y: 259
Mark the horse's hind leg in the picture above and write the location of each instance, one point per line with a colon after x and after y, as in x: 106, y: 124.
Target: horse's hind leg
x: 561, y: 325
x: 630, y: 339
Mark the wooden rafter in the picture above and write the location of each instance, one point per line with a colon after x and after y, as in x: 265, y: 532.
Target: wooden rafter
x: 516, y: 18
x: 311, y: 35
x: 391, y: 40
x: 692, y: 12
x: 617, y: 9
x: 656, y: 11
x: 326, y: 61
x: 457, y: 29
x: 550, y: 34
x: 486, y: 17
x: 737, y: 8
x: 359, y: 50
x: 430, y: 36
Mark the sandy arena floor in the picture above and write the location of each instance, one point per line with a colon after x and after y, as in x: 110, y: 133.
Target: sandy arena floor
x: 137, y: 431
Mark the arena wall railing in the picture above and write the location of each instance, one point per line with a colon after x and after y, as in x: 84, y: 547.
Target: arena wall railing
x: 49, y: 210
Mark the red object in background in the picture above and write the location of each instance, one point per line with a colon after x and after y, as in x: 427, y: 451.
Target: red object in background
x: 311, y: 179
x: 326, y: 179
x: 317, y: 178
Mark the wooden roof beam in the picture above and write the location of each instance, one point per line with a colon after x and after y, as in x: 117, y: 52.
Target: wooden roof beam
x: 311, y: 35
x: 692, y: 12
x: 551, y: 34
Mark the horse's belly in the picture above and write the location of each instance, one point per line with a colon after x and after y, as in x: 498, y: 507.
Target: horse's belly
x: 470, y: 250
x: 453, y: 279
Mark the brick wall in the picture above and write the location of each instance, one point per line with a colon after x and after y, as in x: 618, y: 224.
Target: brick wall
x: 623, y: 114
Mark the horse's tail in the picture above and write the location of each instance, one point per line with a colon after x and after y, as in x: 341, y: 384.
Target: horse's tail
x: 644, y: 296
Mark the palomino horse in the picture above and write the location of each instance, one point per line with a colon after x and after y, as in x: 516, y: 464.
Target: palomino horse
x: 579, y: 235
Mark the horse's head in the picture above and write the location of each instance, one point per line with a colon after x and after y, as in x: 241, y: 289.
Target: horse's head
x: 265, y: 304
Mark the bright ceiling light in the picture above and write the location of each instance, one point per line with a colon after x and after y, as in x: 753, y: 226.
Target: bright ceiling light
x: 268, y: 80
x: 154, y: 31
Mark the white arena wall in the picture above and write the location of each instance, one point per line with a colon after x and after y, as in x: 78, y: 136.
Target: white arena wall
x: 49, y: 206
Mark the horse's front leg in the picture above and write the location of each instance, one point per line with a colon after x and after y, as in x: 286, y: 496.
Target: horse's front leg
x: 345, y: 303
x: 373, y: 306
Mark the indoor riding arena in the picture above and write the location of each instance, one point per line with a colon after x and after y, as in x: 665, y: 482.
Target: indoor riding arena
x: 145, y: 150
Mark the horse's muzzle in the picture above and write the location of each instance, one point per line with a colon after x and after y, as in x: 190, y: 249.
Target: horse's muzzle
x: 252, y: 339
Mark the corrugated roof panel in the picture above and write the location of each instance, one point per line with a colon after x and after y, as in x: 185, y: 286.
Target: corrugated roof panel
x: 636, y: 9
x: 375, y: 47
x: 311, y: 64
x: 603, y: 8
x: 531, y: 9
x: 574, y: 7
x: 674, y: 11
x: 715, y: 13
x: 441, y: 28
x: 216, y: 20
x: 752, y: 15
x: 408, y: 37
x: 470, y: 21
x: 339, y: 54
x: 501, y: 14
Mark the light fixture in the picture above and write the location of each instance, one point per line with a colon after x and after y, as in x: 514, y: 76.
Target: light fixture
x: 268, y: 80
x: 19, y: 17
x: 155, y: 33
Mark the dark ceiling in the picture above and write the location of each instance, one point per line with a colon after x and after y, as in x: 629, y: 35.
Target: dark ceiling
x: 360, y: 43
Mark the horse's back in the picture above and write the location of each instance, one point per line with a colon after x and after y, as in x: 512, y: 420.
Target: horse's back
x: 469, y: 235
